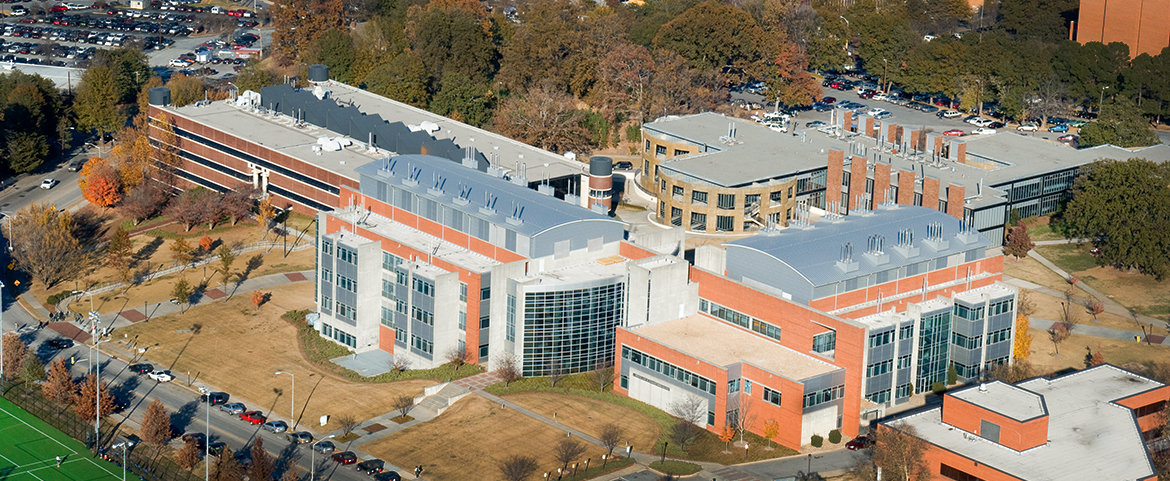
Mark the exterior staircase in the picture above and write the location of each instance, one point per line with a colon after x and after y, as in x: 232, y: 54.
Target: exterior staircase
x: 439, y: 397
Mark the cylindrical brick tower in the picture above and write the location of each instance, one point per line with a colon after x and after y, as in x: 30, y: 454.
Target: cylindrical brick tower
x: 601, y: 182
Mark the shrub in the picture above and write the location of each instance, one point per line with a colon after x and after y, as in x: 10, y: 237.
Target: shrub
x: 835, y: 436
x: 938, y: 388
x: 55, y: 298
x: 818, y: 441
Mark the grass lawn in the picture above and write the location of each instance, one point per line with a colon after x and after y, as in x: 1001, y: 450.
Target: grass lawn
x: 1043, y: 233
x: 1070, y: 257
x: 29, y: 449
x: 259, y: 344
x: 588, y: 415
x: 1048, y: 307
x: 474, y: 436
x: 1072, y: 351
x: 1134, y: 290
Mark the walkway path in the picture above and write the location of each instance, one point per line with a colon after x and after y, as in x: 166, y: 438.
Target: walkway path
x: 1111, y: 306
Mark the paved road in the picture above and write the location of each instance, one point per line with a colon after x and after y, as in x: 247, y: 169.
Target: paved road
x: 27, y: 187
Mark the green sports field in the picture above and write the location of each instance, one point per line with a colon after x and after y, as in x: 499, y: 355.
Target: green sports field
x: 29, y: 450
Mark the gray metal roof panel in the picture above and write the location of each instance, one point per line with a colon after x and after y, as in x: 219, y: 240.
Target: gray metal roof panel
x: 537, y: 212
x: 814, y: 252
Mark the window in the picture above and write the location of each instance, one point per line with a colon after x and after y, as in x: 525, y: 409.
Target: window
x: 724, y: 223
x: 729, y: 315
x: 402, y: 277
x: 400, y: 306
x: 647, y: 149
x: 326, y: 303
x: 387, y: 317
x: 676, y: 216
x: 426, y: 288
x: 952, y: 473
x: 879, y: 368
x: 676, y: 190
x: 346, y: 311
x: 421, y: 344
x: 400, y: 335
x: 777, y: 197
x: 903, y: 361
x: 966, y: 342
x: 327, y: 247
x: 906, y: 332
x: 462, y: 292
x: 423, y: 316
x: 678, y: 152
x: 347, y: 255
x: 772, y: 396
x: 625, y: 382
x: 825, y: 341
x: 660, y: 150
x: 485, y: 293
x: 879, y: 397
x: 904, y: 390
x: 326, y: 276
x: 1152, y: 408
x: 1000, y: 307
x: 823, y: 396
x: 881, y: 339
x: 339, y: 336
x: 747, y: 386
x: 766, y: 329
x: 387, y: 289
x: 698, y: 197
x: 726, y: 201
x: 710, y: 418
x: 733, y: 386
x: 510, y: 321
x: 698, y: 221
x: 462, y: 321
x: 970, y: 313
x: 390, y: 261
x: 999, y: 336
x: 670, y: 370
x: 484, y: 322
x: 346, y: 283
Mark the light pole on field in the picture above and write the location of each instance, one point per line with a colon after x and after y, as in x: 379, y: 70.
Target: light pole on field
x: 1, y: 335
x: 292, y: 405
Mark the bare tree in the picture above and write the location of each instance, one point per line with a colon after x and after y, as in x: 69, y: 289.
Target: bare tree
x: 567, y: 451
x: 742, y: 414
x: 143, y: 201
x: 556, y: 373
x: 1063, y: 329
x: 689, y: 413
x: 601, y: 375
x: 456, y: 356
x: 1025, y: 305
x: 347, y: 422
x: 399, y: 365
x: 156, y: 424
x: 610, y: 435
x: 1096, y: 308
x: 237, y: 204
x: 900, y: 453
x: 517, y: 467
x: 403, y: 404
x: 188, y: 457
x: 508, y: 367
x: 262, y: 463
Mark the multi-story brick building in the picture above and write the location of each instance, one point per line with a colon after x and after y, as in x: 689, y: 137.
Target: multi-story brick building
x: 1144, y: 25
x: 1087, y: 425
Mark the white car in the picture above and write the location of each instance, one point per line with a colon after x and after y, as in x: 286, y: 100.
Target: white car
x: 161, y: 376
x: 48, y: 184
x: 178, y: 63
x: 982, y: 122
x: 874, y: 111
x: 1028, y: 128
x: 983, y: 131
x: 950, y: 114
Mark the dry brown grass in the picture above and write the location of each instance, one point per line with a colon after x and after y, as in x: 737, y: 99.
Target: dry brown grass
x: 1138, y: 292
x: 470, y: 439
x: 258, y: 344
x: 1048, y: 307
x: 1033, y: 271
x: 1072, y: 351
x: 589, y: 415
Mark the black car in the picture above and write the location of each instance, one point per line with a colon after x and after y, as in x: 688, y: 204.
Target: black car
x: 387, y: 476
x: 371, y: 467
x: 59, y: 343
x: 216, y: 398
x: 217, y: 447
x: 142, y: 368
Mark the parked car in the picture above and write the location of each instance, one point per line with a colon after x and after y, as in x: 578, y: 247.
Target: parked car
x: 829, y: 100
x: 371, y: 466
x: 161, y: 376
x: 1067, y: 138
x: 954, y: 133
x: 300, y: 437
x: 1058, y: 128
x: 860, y: 442
x: 949, y: 114
x: 197, y: 438
x: 253, y: 417
x: 883, y: 115
x: 49, y: 184
x: 345, y: 457
x: 815, y: 124
x: 233, y: 408
x: 324, y: 447
x: 276, y: 426
x: 142, y: 368
x: 874, y: 111
x: 983, y: 131
x: 59, y: 343
x: 214, y: 398
x: 1028, y: 127
x: 217, y: 447
x: 387, y: 476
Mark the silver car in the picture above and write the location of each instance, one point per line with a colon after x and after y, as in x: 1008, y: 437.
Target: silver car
x: 233, y: 408
x: 276, y: 426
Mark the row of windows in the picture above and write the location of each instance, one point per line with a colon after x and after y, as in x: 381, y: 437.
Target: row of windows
x: 346, y: 283
x: 422, y: 344
x: 952, y: 473
x: 326, y: 303
x: 881, y: 339
x: 740, y: 319
x: 879, y: 368
x: 670, y: 370
x: 1152, y: 408
x: 510, y: 326
x: 904, y: 390
x: 387, y: 289
x: 326, y: 276
x: 904, y: 361
x: 387, y: 317
x: 879, y: 397
x: 462, y: 292
x: 823, y: 396
x: 998, y: 336
x: 347, y: 255
x: 905, y: 332
x: 966, y: 371
x: 1000, y: 307
x: 400, y: 335
x: 391, y: 261
x: 733, y: 386
x: 423, y: 316
x: 346, y: 311
x: 257, y: 160
x: 969, y: 313
x: 338, y: 335
x: 966, y: 342
x: 426, y: 288
x: 825, y: 341
x: 772, y: 396
x: 327, y: 247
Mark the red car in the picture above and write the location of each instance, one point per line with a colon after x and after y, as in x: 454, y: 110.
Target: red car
x: 860, y: 442
x: 254, y: 417
x: 954, y: 133
x: 345, y: 457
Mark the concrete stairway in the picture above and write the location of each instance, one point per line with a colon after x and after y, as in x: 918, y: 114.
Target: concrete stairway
x: 440, y: 397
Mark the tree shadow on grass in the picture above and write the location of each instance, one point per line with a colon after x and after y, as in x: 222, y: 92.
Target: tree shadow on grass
x: 148, y: 250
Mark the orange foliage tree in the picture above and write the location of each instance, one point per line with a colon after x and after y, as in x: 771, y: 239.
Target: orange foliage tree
x: 102, y: 189
x: 726, y: 436
x: 771, y: 430
x: 1023, y: 345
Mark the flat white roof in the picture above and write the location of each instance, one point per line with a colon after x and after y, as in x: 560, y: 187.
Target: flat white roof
x: 596, y: 268
x: 416, y: 239
x: 723, y: 345
x: 993, y: 291
x: 1089, y: 436
x: 1006, y: 399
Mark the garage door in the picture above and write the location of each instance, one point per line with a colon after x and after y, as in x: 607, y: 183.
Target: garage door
x: 650, y: 392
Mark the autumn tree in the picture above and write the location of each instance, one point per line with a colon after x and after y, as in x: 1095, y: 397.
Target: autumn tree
x: 544, y: 118
x: 15, y: 351
x: 257, y: 298
x: 771, y: 430
x: 610, y: 435
x: 726, y: 435
x: 227, y: 468
x: 1058, y: 333
x: 237, y: 204
x: 678, y: 89
x: 143, y: 202
x: 156, y: 424
x: 567, y: 451
x: 226, y: 259
x: 86, y: 400
x: 1019, y: 243
x: 625, y: 74
x: 790, y: 82
x: 265, y: 212
x: 517, y: 467
x: 262, y: 463
x: 297, y: 24
x: 1096, y: 308
x: 205, y: 244
x: 186, y: 90
x: 1012, y: 373
x: 1022, y: 346
x: 42, y: 242
x: 103, y: 188
x: 188, y: 457
x: 900, y: 453
x: 1093, y: 358
x: 181, y: 251
x: 119, y: 248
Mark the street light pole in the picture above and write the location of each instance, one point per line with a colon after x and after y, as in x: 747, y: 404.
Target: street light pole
x: 1, y: 335
x: 207, y: 441
x: 1099, y: 102
x: 292, y: 405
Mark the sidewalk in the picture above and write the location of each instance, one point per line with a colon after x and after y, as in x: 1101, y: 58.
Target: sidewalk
x: 1111, y: 306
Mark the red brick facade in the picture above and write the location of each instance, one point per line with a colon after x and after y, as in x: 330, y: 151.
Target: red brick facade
x: 906, y: 187
x: 834, y: 175
x: 1143, y: 25
x: 857, y: 173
